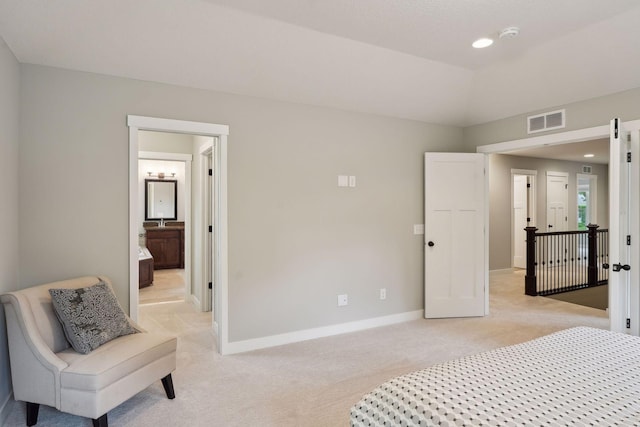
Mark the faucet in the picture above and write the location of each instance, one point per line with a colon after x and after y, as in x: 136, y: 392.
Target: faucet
x: 161, y: 222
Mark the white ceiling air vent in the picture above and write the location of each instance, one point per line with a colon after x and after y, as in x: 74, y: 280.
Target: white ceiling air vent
x: 546, y: 121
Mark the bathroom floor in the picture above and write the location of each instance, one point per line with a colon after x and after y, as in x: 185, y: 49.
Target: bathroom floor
x: 168, y: 286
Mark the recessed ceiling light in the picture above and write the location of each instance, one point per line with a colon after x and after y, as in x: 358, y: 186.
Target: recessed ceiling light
x: 589, y: 155
x: 483, y: 42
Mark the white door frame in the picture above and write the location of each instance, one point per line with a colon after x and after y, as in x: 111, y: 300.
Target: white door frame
x: 137, y: 123
x: 206, y: 195
x: 531, y: 204
x: 580, y: 135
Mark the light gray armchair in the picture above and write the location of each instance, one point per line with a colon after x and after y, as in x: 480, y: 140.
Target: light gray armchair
x: 46, y: 370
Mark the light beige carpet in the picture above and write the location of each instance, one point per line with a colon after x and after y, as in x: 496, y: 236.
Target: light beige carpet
x: 314, y: 383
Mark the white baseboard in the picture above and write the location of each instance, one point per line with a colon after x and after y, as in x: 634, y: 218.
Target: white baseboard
x: 503, y: 270
x: 215, y: 327
x: 196, y: 302
x: 325, y: 331
x: 6, y: 408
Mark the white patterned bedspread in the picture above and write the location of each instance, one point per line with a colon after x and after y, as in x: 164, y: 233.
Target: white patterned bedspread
x: 577, y: 377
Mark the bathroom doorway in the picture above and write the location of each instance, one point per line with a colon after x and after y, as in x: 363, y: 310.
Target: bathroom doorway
x: 164, y: 211
x: 196, y: 226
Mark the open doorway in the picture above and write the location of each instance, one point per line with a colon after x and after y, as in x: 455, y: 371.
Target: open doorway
x: 583, y: 136
x: 194, y: 230
x: 587, y: 200
x: 165, y: 219
x: 518, y: 168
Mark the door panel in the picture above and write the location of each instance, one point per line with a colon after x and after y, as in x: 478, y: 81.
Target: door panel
x: 557, y: 201
x: 623, y: 230
x: 455, y: 246
x: 519, y: 220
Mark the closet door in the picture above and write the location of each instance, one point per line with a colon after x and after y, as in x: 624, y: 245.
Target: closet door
x: 456, y: 258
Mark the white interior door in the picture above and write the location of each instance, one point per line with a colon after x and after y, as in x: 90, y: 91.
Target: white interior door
x: 623, y: 230
x: 455, y: 241
x: 557, y: 201
x: 520, y: 215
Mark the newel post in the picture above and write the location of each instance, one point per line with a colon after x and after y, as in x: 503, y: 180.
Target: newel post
x: 530, y: 287
x: 592, y: 271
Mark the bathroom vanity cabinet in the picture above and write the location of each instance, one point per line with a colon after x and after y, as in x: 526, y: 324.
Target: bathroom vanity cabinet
x: 166, y: 244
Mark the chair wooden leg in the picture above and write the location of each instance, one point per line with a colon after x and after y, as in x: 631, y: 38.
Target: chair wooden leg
x: 32, y: 413
x: 101, y: 422
x: 167, y: 383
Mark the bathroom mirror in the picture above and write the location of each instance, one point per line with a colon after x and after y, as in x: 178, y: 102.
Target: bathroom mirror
x: 160, y: 199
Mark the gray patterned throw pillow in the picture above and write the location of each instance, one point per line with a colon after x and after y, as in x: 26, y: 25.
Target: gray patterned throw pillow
x: 90, y: 316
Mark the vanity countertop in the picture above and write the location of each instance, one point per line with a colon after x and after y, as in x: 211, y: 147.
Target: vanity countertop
x: 169, y: 225
x: 166, y: 227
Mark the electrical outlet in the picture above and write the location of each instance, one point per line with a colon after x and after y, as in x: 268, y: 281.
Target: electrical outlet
x: 383, y: 293
x: 343, y: 300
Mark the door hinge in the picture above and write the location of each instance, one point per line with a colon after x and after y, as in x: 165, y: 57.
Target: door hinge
x: 615, y: 128
x: 628, y: 157
x: 628, y: 240
x: 211, y: 229
x: 628, y: 323
x: 528, y: 185
x: 210, y: 285
x: 210, y: 172
x: 528, y: 219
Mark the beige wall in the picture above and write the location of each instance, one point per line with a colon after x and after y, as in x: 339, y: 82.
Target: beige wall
x: 500, y: 166
x: 9, y: 133
x: 296, y: 240
x: 579, y: 115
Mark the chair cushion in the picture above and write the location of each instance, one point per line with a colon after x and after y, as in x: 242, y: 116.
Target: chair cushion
x: 35, y: 304
x: 90, y: 316
x: 114, y: 360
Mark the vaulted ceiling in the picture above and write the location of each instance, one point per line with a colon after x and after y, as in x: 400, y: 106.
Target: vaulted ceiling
x: 402, y: 58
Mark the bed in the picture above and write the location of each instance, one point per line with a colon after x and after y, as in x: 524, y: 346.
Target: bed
x: 580, y: 376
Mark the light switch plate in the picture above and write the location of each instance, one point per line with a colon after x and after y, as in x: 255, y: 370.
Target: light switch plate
x: 343, y: 300
x: 418, y: 229
x: 352, y: 181
x: 343, y: 181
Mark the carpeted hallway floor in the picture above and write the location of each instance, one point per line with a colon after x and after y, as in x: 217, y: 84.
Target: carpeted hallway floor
x: 596, y: 297
x: 314, y: 383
